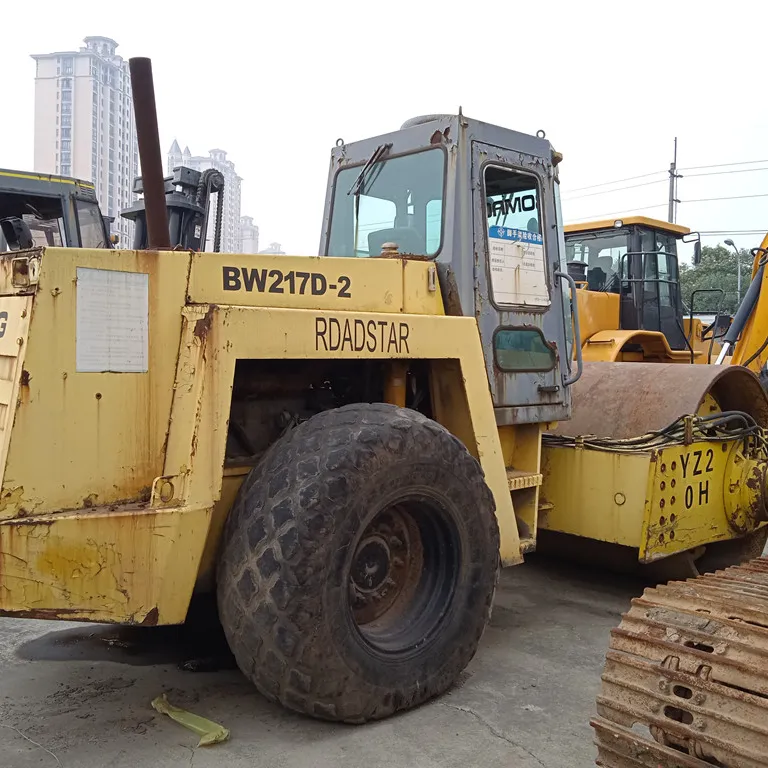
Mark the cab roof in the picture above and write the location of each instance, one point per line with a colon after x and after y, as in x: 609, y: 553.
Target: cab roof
x: 10, y: 177
x: 643, y: 221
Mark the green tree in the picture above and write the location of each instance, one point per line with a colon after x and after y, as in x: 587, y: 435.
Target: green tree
x: 716, y: 270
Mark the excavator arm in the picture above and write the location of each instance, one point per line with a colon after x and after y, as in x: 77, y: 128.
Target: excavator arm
x: 747, y: 339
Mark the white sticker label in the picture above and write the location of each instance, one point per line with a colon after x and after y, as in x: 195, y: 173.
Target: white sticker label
x: 518, y: 273
x: 112, y: 321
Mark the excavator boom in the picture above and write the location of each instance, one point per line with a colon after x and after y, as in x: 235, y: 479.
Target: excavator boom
x: 749, y: 329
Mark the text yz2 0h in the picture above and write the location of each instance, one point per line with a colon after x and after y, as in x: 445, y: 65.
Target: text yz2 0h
x: 277, y: 281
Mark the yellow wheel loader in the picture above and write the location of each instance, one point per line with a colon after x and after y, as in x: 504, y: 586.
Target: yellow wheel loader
x: 628, y: 290
x: 344, y: 448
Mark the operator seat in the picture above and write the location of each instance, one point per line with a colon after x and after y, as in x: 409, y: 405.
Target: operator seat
x: 16, y: 233
x: 600, y: 269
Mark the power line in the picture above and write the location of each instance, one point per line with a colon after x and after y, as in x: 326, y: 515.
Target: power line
x: 620, y: 189
x: 657, y: 173
x: 616, y: 213
x: 617, y: 181
x: 756, y: 231
x: 719, y: 173
x: 721, y: 165
x: 732, y: 197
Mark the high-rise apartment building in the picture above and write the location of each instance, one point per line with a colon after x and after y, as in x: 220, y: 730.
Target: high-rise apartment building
x: 249, y: 235
x: 274, y: 249
x: 84, y: 124
x: 217, y: 158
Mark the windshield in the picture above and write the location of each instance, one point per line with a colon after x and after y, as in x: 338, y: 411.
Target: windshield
x: 92, y: 232
x: 602, y: 253
x: 400, y: 201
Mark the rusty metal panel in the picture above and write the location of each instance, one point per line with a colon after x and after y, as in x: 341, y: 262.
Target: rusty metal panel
x: 19, y: 272
x: 597, y: 494
x: 421, y: 288
x: 99, y: 436
x: 693, y: 499
x: 686, y: 676
x: 128, y: 565
x: 14, y: 326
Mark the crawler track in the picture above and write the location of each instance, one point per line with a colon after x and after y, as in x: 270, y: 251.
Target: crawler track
x: 685, y: 684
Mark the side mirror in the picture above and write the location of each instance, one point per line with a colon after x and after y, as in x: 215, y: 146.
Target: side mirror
x: 696, y: 238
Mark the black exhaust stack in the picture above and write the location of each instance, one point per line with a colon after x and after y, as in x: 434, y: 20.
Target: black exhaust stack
x: 148, y: 136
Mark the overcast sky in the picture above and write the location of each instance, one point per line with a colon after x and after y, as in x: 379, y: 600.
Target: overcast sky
x: 276, y: 83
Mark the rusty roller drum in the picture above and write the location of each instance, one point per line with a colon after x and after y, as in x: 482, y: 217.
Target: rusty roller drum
x: 623, y: 400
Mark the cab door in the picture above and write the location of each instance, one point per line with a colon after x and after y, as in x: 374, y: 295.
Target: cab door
x: 521, y: 296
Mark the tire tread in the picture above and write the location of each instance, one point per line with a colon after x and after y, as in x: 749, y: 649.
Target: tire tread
x: 271, y: 552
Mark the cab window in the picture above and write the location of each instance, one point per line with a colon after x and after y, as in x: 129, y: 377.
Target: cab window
x: 93, y: 234
x: 522, y: 349
x: 399, y: 201
x: 43, y: 215
x: 517, y: 265
x: 603, y: 253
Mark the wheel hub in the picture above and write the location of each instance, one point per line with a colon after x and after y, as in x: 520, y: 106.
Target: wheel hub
x: 386, y: 565
x: 372, y: 565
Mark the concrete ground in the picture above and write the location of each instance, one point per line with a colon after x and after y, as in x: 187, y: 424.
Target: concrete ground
x: 83, y: 693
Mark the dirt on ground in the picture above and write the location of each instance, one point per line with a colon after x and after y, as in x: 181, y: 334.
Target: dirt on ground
x: 79, y: 695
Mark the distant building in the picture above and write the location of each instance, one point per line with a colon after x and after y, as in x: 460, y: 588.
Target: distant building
x: 249, y: 235
x: 217, y: 158
x: 274, y: 250
x: 84, y: 124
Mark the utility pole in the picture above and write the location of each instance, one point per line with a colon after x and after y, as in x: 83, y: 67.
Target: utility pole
x: 673, y: 177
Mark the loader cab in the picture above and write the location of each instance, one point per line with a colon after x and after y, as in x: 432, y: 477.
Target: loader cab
x: 482, y: 203
x: 636, y: 259
x: 43, y: 210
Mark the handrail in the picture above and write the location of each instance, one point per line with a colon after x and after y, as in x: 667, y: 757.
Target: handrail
x: 569, y: 380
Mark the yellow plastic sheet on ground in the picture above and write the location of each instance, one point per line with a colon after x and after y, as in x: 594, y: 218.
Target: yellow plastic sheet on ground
x: 209, y: 732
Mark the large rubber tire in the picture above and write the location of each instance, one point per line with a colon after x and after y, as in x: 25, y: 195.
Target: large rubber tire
x: 295, y: 572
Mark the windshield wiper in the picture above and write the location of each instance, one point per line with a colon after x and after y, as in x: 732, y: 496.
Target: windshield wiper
x: 378, y: 153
